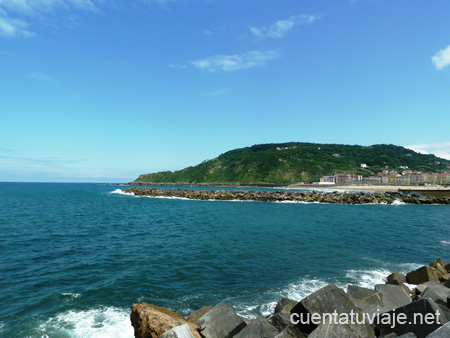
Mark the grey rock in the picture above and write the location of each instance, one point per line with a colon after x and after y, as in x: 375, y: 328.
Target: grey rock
x: 442, y: 332
x: 221, y: 322
x: 291, y: 332
x: 407, y: 335
x: 258, y: 328
x: 363, y: 298
x: 285, y: 305
x: 196, y: 315
x: 280, y: 320
x: 393, y: 296
x: 396, y: 278
x: 390, y: 335
x: 326, y: 301
x: 422, y: 275
x: 411, y: 317
x: 181, y: 331
x: 439, y: 261
x: 437, y: 292
x: 333, y: 330
x: 420, y: 289
x: 372, y: 312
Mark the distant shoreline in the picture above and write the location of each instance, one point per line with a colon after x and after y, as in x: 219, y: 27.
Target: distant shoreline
x: 315, y: 196
x: 375, y: 188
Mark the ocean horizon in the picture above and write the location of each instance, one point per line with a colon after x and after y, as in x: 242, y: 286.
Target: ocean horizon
x: 76, y: 256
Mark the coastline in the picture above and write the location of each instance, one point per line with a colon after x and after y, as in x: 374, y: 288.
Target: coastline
x: 394, y: 308
x: 315, y: 196
x: 378, y: 188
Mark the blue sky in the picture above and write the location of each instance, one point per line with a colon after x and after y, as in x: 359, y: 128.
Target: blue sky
x: 105, y: 90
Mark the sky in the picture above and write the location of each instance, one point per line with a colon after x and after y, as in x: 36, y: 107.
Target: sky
x: 105, y: 90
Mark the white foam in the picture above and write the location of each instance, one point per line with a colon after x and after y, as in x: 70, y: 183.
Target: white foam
x: 300, y: 202
x: 72, y: 295
x: 121, y: 192
x: 296, y: 291
x: 367, y: 278
x: 445, y: 243
x: 307, y: 285
x: 172, y: 198
x: 398, y: 202
x: 94, y: 323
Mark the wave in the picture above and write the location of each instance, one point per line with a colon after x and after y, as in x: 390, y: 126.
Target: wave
x: 121, y: 192
x: 398, y: 202
x: 94, y: 323
x: 265, y: 303
x: 71, y: 295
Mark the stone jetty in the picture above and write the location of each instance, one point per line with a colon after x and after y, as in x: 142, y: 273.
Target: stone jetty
x: 292, y: 196
x: 415, y: 305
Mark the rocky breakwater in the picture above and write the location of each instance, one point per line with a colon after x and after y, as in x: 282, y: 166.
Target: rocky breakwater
x: 290, y: 196
x: 419, y: 309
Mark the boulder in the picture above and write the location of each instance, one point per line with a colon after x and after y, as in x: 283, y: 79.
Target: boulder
x: 441, y: 269
x: 280, y: 320
x: 324, y: 302
x: 372, y: 312
x: 391, y: 335
x: 258, y: 328
x: 181, y: 331
x: 285, y: 305
x: 419, y: 289
x: 437, y: 292
x: 442, y: 332
x: 291, y: 332
x: 417, y: 317
x: 422, y: 275
x: 393, y: 296
x: 151, y: 321
x: 363, y: 298
x: 447, y: 267
x: 439, y: 261
x: 221, y: 321
x: 447, y: 283
x: 444, y: 278
x: 334, y: 330
x: 196, y: 315
x: 407, y: 335
x: 396, y: 278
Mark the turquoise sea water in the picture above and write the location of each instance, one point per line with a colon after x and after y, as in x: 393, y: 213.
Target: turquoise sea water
x: 74, y: 257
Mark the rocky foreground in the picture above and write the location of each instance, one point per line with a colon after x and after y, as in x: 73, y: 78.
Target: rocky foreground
x: 390, y: 310
x: 291, y: 196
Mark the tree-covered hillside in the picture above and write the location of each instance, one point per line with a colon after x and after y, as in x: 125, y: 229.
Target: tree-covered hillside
x: 293, y: 162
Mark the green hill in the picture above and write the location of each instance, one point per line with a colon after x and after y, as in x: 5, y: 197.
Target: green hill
x: 287, y: 163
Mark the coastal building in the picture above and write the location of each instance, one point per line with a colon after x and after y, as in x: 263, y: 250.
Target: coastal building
x: 407, y: 177
x: 327, y: 180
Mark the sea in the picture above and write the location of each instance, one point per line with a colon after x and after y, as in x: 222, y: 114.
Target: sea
x: 75, y: 257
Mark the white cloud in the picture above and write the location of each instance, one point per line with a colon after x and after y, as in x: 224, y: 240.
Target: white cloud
x: 230, y: 63
x: 10, y: 27
x: 441, y: 149
x: 442, y: 58
x: 41, y: 77
x: 15, y: 15
x: 280, y: 28
x: 38, y: 7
